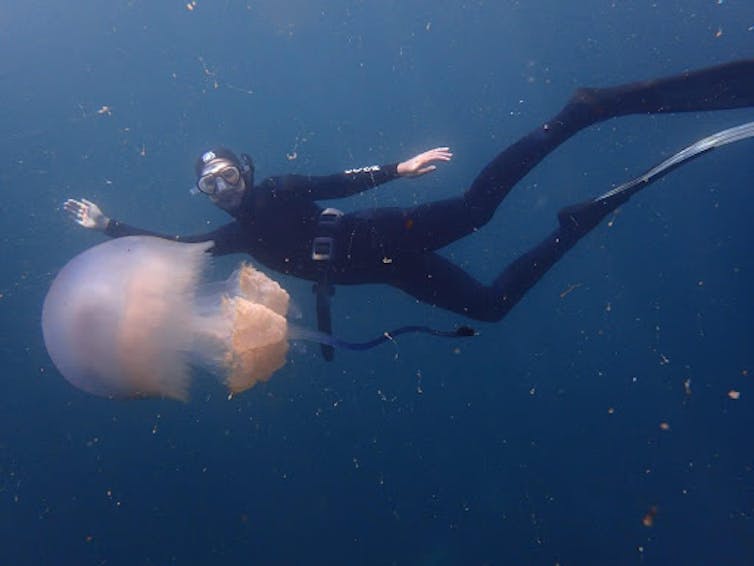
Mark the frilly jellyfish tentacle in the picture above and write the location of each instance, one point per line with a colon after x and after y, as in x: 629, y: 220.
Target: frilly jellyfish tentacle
x: 240, y: 329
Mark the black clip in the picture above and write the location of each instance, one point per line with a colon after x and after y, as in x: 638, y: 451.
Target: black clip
x: 323, y: 247
x: 323, y: 251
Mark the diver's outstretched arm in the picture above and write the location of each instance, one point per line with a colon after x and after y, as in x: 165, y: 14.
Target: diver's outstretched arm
x: 354, y: 181
x: 87, y: 214
x: 227, y: 239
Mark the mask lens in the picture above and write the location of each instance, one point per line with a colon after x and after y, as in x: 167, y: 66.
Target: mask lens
x: 208, y: 184
x: 231, y: 175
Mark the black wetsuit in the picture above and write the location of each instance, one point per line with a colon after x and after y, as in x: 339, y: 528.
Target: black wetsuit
x: 278, y: 218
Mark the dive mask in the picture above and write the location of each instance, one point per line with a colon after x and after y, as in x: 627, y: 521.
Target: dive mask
x: 219, y: 177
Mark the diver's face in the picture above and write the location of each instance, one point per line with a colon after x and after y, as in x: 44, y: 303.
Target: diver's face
x: 222, y: 182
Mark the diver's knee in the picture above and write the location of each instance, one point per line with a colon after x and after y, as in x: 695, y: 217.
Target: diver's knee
x: 491, y: 309
x: 487, y: 314
x: 585, y: 106
x: 584, y: 96
x: 479, y: 214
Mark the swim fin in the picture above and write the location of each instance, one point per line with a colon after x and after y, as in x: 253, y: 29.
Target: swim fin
x: 582, y: 217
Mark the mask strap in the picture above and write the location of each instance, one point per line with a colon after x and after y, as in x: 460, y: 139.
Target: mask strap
x: 247, y: 168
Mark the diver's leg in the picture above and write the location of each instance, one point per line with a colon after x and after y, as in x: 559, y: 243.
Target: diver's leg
x: 726, y: 86
x: 577, y: 220
x: 714, y: 88
x: 435, y: 280
x: 416, y: 229
x: 525, y: 271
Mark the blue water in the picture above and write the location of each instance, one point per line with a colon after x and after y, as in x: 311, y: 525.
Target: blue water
x: 538, y: 442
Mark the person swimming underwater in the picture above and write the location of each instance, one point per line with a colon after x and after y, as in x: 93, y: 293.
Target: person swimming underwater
x: 280, y: 223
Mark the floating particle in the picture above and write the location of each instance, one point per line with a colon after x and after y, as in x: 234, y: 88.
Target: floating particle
x: 664, y: 426
x: 649, y: 517
x: 687, y: 387
x: 570, y: 288
x: 735, y: 395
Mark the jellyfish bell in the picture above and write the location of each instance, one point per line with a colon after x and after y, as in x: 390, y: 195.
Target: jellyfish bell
x: 130, y: 317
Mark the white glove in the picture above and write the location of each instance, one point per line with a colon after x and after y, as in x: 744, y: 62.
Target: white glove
x: 87, y: 214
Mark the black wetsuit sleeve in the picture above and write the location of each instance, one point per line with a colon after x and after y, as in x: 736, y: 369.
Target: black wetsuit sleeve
x: 340, y: 185
x: 228, y: 239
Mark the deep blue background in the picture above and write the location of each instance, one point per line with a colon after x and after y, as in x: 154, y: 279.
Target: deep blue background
x: 538, y: 442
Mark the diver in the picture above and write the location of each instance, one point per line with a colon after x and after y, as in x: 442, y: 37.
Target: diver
x: 281, y: 224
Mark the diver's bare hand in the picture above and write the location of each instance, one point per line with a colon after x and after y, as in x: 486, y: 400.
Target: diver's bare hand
x: 424, y: 162
x: 87, y: 214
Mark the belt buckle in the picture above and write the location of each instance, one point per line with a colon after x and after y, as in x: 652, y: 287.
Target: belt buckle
x: 322, y: 248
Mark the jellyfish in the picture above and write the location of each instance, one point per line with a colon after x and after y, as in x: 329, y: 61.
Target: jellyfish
x: 131, y: 318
